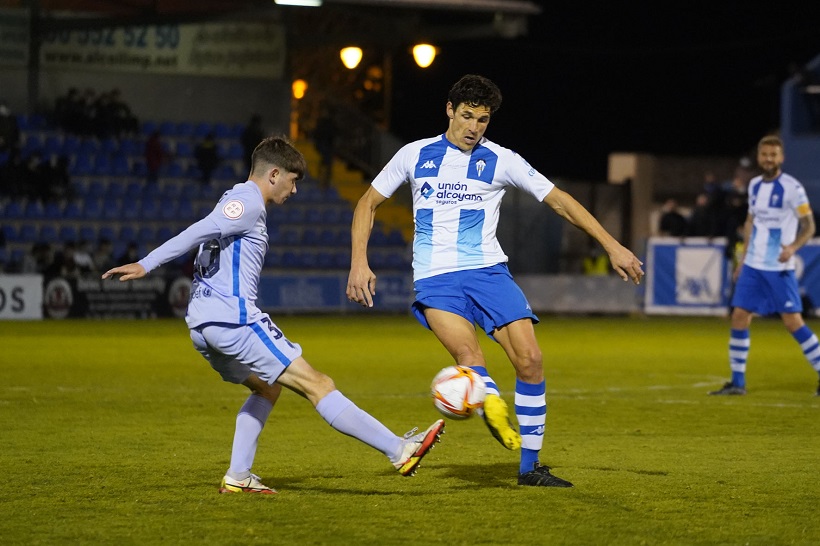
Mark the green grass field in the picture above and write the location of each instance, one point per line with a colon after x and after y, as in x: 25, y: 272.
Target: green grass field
x: 119, y: 433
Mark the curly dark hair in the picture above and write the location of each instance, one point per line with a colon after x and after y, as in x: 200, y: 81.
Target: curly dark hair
x: 474, y: 91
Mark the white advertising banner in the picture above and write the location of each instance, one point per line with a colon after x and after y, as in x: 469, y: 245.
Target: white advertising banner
x: 21, y: 297
x: 229, y: 49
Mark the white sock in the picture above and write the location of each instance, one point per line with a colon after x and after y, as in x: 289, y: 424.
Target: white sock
x: 347, y: 418
x: 249, y: 424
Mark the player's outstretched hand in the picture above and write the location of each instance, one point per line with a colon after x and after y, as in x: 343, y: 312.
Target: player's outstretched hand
x: 626, y: 264
x: 126, y: 272
x: 361, y: 286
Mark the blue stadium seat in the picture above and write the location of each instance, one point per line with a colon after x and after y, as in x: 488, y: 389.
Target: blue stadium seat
x: 52, y: 211
x: 111, y: 209
x: 145, y: 234
x: 92, y: 210
x: 164, y: 233
x: 150, y: 209
x: 9, y: 233
x: 224, y: 172
x: 341, y: 259
x: 67, y: 233
x: 127, y: 234
x: 222, y: 130
x: 109, y: 146
x: 331, y: 216
x: 14, y: 209
x: 310, y: 237
x: 119, y: 165
x: 82, y: 165
x: 168, y: 210
x: 289, y: 237
x: 273, y: 259
x: 186, y: 211
x: 308, y: 259
x: 324, y: 260
x: 28, y: 233
x: 106, y: 232
x: 327, y: 237
x: 73, y: 210
x: 395, y: 238
x: 53, y: 145
x: 148, y: 127
x: 70, y: 146
x: 201, y: 130
x: 133, y: 191
x: 184, y: 149
x: 34, y: 210
x: 96, y: 189
x: 87, y: 233
x: 184, y: 129
x: 290, y: 259
x: 343, y: 238
x: 48, y: 233
x: 167, y: 128
x: 115, y: 190
x: 313, y: 216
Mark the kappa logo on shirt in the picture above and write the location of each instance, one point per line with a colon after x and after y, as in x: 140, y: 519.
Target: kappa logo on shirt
x: 233, y: 210
x: 429, y: 164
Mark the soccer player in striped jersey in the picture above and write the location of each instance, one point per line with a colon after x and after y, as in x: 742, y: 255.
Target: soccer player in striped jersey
x: 460, y: 272
x: 240, y: 341
x: 778, y: 223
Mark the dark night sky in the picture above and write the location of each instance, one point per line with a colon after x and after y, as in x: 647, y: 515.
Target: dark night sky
x: 592, y: 78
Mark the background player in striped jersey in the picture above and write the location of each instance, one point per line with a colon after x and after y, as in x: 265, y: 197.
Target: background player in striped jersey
x: 778, y: 223
x: 240, y: 341
x: 460, y: 273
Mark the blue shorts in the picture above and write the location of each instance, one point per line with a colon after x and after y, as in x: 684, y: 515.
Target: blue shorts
x: 237, y: 351
x: 767, y: 292
x: 488, y: 297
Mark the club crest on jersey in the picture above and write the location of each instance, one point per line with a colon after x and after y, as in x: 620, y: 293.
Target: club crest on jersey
x: 233, y: 210
x: 479, y: 166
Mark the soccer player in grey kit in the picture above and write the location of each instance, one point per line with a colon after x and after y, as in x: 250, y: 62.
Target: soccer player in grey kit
x: 241, y: 342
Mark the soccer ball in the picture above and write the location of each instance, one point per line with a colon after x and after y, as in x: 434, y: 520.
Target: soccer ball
x: 458, y: 392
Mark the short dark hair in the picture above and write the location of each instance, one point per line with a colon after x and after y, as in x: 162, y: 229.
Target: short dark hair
x: 474, y: 90
x: 278, y: 150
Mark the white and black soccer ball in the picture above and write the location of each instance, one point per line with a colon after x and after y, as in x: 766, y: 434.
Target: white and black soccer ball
x: 458, y: 392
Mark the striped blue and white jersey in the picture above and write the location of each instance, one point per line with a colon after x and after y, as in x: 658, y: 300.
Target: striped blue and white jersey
x: 456, y: 200
x: 232, y: 242
x: 776, y: 206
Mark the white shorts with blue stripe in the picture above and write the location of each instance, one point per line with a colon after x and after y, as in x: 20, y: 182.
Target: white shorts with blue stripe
x: 236, y: 351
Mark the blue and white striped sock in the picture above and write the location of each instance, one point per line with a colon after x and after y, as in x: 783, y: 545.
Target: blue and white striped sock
x: 531, y: 412
x: 739, y: 343
x: 810, y: 346
x: 492, y: 388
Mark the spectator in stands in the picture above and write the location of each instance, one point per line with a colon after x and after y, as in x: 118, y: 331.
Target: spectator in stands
x: 9, y: 129
x: 701, y: 223
x: 672, y: 223
x: 58, y: 180
x: 125, y: 122
x: 324, y: 138
x: 12, y: 175
x: 35, y: 177
x: 69, y: 111
x: 82, y: 257
x: 130, y: 255
x: 251, y: 136
x: 103, y: 116
x: 207, y: 157
x: 103, y: 257
x: 39, y: 259
x: 155, y: 157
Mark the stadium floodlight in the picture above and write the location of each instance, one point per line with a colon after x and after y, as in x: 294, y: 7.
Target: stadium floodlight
x: 351, y: 56
x: 424, y: 54
x: 306, y: 3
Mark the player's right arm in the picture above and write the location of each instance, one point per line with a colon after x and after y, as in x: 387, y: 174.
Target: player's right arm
x: 361, y: 283
x: 747, y: 234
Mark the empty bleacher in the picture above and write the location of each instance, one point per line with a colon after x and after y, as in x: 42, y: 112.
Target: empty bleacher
x: 112, y: 200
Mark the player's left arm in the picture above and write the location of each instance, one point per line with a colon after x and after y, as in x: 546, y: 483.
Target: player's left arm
x: 805, y: 231
x: 623, y: 261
